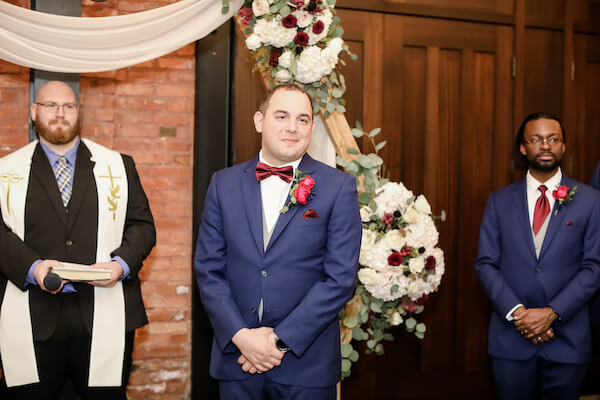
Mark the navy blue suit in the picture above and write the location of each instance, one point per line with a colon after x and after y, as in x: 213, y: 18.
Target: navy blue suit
x: 595, y: 303
x: 564, y: 277
x: 305, y: 276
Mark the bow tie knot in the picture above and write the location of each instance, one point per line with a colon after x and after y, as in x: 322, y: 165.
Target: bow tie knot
x: 263, y: 171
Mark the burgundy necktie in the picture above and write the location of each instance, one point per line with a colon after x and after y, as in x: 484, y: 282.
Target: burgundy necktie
x: 263, y: 171
x: 542, y: 209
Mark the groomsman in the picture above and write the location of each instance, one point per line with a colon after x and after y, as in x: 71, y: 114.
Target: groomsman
x: 539, y: 263
x: 274, y: 268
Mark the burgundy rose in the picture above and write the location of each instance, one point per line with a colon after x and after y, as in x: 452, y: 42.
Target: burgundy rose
x: 298, y: 3
x: 395, y: 259
x: 307, y: 181
x: 289, y: 21
x: 301, y: 194
x: 318, y: 27
x: 421, y: 300
x: 246, y: 15
x: 301, y: 39
x: 430, y: 263
x: 408, y: 304
x: 274, y: 57
x: 561, y: 192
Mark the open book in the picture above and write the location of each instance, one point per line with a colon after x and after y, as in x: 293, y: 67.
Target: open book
x: 80, y: 272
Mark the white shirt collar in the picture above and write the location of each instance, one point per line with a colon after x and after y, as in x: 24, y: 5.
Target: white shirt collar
x: 551, y: 184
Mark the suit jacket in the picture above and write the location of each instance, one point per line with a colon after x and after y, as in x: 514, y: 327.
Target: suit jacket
x: 595, y: 302
x: 305, y: 276
x: 69, y: 234
x: 564, y: 277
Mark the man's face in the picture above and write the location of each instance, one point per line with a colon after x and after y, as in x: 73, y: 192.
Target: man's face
x: 56, y: 114
x: 544, y: 156
x: 286, y: 126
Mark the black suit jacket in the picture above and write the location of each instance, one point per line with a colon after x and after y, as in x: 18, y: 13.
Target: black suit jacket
x: 70, y: 234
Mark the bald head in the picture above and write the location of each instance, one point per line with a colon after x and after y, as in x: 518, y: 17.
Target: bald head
x: 56, y: 116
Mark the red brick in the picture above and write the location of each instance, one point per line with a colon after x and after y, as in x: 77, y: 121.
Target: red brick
x: 188, y: 50
x: 176, y: 62
x: 175, y: 90
x: 137, y: 89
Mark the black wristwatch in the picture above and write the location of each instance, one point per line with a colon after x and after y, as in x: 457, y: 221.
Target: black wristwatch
x: 281, y: 345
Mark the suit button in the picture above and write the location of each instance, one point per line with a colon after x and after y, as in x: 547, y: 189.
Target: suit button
x: 67, y: 210
x: 69, y: 243
x: 538, y: 269
x: 264, y: 273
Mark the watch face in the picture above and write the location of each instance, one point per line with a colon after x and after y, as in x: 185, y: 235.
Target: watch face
x: 281, y: 346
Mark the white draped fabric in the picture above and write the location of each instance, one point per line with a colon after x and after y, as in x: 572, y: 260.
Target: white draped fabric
x: 72, y: 44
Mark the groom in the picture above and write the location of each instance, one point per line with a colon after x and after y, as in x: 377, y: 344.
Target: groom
x: 539, y: 263
x: 274, y: 268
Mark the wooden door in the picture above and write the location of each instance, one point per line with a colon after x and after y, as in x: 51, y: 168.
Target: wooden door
x: 446, y: 111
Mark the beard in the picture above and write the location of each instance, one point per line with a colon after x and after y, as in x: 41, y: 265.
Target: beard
x: 543, y: 166
x: 58, y: 134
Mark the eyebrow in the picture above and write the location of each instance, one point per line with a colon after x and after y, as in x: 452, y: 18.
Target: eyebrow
x: 287, y: 112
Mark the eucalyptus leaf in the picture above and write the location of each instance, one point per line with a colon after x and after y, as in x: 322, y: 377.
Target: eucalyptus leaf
x: 284, y: 11
x: 359, y: 125
x: 346, y: 365
x: 346, y: 349
x: 341, y: 108
x: 365, y: 161
x: 378, y: 334
x: 419, y: 335
x: 421, y: 327
x: 420, y: 309
x: 376, y: 306
x: 353, y: 356
x: 374, y: 132
x: 364, y: 197
x: 330, y: 107
x: 341, y: 161
x: 380, y: 145
x: 350, y: 321
x: 410, y: 324
x: 373, y: 205
x: 370, y: 344
x: 352, y: 150
x: 326, y: 114
x: 357, y: 133
x: 388, y: 337
x: 353, y: 168
x: 359, y: 334
x: 379, y: 349
x: 337, y: 92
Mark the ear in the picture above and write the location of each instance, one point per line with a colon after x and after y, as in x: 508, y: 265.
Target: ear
x: 33, y: 110
x: 258, y: 121
x: 522, y: 148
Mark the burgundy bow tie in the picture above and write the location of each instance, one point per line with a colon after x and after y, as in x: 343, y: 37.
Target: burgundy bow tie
x: 263, y: 171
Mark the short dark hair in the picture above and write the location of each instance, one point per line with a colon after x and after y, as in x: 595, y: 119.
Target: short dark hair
x: 287, y: 86
x: 519, y: 158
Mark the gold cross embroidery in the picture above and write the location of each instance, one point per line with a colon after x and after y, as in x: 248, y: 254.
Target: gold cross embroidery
x: 114, y: 192
x: 9, y: 178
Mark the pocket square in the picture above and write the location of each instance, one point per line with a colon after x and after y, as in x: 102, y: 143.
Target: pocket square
x: 310, y: 214
x: 569, y: 223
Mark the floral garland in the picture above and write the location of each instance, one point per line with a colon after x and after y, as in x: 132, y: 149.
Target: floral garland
x: 400, y: 264
x: 298, y: 41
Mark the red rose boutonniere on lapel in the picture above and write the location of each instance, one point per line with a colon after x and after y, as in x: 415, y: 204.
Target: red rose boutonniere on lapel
x: 301, y: 190
x: 563, y: 195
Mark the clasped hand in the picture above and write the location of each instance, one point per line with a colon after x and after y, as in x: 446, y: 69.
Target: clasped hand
x: 534, y: 323
x: 259, y: 353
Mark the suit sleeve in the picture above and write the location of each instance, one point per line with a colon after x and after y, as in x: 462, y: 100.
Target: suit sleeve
x: 322, y: 303
x: 487, y: 267
x: 586, y: 282
x: 139, y: 235
x: 210, y: 266
x: 15, y: 256
x: 595, y: 182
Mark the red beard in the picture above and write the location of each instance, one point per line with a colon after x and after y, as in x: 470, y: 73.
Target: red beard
x: 58, y: 135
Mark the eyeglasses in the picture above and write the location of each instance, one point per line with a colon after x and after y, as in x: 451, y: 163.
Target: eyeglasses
x: 537, y: 141
x: 51, y: 107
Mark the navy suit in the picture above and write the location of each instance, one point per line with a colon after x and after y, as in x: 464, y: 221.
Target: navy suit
x: 564, y: 277
x: 305, y: 276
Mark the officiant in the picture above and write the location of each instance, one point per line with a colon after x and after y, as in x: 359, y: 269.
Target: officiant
x: 64, y: 198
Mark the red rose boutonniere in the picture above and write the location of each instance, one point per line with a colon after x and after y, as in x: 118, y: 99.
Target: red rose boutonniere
x: 301, y: 190
x: 563, y: 195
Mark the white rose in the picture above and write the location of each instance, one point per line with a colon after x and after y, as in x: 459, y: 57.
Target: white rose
x: 365, y: 214
x: 422, y: 205
x: 411, y: 216
x: 285, y: 59
x: 416, y: 265
x: 394, y: 240
x: 260, y: 7
x: 367, y: 276
x: 253, y: 42
x: 303, y: 18
x: 396, y: 319
x: 283, y: 75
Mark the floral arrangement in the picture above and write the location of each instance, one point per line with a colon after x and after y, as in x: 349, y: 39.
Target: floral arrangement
x: 400, y: 263
x: 298, y: 41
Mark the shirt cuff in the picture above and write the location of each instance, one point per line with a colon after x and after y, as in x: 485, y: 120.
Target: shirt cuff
x: 124, y: 266
x: 509, y: 315
x: 30, y: 280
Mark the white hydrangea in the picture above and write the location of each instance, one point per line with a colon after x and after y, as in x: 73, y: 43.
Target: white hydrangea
x: 283, y: 75
x: 391, y: 197
x: 422, y: 233
x: 422, y: 205
x: 285, y: 59
x: 373, y: 253
x: 315, y: 62
x: 326, y: 17
x: 273, y: 33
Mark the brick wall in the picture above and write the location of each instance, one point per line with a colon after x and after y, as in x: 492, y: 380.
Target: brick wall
x: 146, y: 111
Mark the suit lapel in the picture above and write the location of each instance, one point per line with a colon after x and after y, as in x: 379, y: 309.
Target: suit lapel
x: 556, y: 221
x: 81, y: 181
x: 43, y: 173
x: 523, y: 214
x: 253, y: 202
x: 307, y: 166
